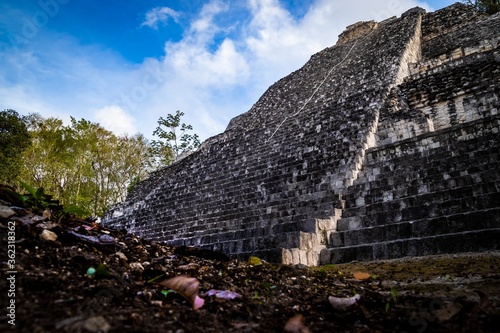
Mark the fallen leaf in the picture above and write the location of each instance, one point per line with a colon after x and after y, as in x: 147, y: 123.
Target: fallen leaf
x: 483, y: 302
x: 296, y: 325
x: 47, y: 214
x: 254, y: 261
x: 448, y: 312
x: 101, y: 270
x: 188, y: 287
x: 224, y: 294
x: 342, y: 304
x: 361, y: 275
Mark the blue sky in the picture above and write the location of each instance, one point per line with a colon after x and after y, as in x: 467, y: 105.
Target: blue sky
x: 124, y: 64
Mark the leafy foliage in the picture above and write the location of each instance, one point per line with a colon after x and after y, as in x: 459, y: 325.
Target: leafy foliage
x: 36, y: 198
x: 14, y: 139
x: 485, y: 6
x: 83, y: 164
x: 174, y: 138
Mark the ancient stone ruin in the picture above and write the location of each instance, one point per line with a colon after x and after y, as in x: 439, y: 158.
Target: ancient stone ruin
x: 382, y: 146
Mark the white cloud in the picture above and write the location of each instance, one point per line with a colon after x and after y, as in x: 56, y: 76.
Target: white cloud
x: 115, y: 119
x: 213, y: 82
x: 205, y: 22
x: 217, y: 70
x: 159, y: 14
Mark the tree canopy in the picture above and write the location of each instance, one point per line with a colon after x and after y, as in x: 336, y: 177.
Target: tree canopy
x: 83, y: 164
x: 14, y: 139
x: 485, y: 6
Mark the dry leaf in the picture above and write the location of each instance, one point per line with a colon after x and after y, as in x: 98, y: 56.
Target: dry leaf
x: 448, y: 312
x: 361, y: 275
x: 483, y: 302
x: 47, y: 214
x: 296, y: 325
x: 254, y: 261
x: 188, y: 287
x: 342, y: 304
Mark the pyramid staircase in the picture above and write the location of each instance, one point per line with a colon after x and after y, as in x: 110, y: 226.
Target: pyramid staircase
x: 435, y: 193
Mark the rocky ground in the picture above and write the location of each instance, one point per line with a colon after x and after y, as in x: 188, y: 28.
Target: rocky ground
x: 74, y: 276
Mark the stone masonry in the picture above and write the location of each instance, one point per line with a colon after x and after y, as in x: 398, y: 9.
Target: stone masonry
x: 382, y: 146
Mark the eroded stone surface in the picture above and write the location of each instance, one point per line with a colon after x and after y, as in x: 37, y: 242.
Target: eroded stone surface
x: 362, y: 153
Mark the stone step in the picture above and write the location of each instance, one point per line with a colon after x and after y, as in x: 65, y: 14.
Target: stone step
x: 476, y: 132
x: 417, y: 181
x: 452, y: 147
x: 468, y: 241
x: 416, y: 196
x: 468, y: 221
x: 417, y: 208
x: 421, y: 172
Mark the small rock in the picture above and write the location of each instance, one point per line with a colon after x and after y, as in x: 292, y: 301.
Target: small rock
x: 37, y: 218
x: 96, y: 324
x: 157, y: 303
x: 135, y: 316
x: 19, y: 210
x: 106, y: 238
x: 48, y: 235
x: 26, y: 220
x: 301, y: 267
x: 6, y: 212
x: 136, y: 266
x: 343, y: 303
x: 48, y: 225
x: 121, y: 256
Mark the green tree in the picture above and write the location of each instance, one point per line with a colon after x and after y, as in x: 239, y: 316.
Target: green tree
x: 485, y: 6
x: 83, y: 164
x: 108, y: 165
x: 46, y: 161
x: 14, y: 139
x: 174, y: 138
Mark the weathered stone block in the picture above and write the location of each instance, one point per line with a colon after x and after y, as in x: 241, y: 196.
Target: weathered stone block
x: 394, y: 151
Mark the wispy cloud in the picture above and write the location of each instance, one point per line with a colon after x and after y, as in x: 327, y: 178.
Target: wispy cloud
x: 115, y: 119
x: 159, y: 15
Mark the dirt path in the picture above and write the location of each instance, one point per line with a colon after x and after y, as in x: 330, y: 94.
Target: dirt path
x: 56, y: 289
